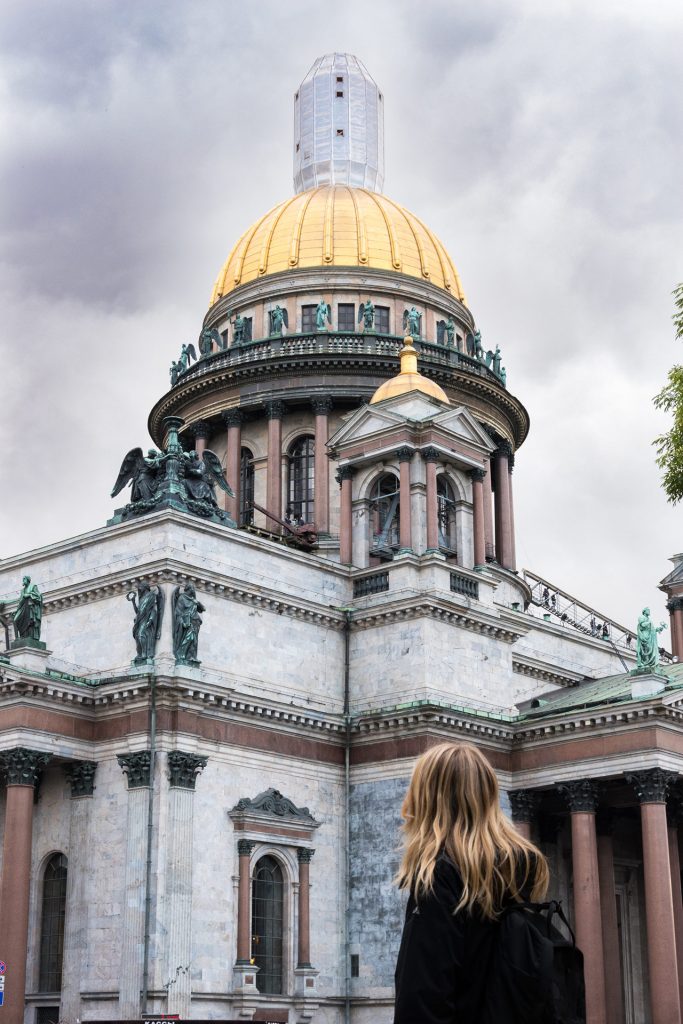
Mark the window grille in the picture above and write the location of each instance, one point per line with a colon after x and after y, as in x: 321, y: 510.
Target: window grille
x: 375, y: 584
x: 246, y: 487
x: 301, y: 480
x: 385, y: 512
x: 346, y: 312
x: 307, y: 319
x: 267, y: 906
x: 464, y: 585
x: 445, y: 500
x: 52, y: 924
x: 382, y: 319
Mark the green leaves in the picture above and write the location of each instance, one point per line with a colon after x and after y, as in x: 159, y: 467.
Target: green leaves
x: 670, y: 399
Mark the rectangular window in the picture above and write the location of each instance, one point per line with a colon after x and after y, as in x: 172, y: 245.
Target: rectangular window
x: 340, y: 131
x: 382, y: 319
x: 307, y: 319
x: 224, y: 336
x: 346, y: 316
x: 355, y: 965
x: 247, y: 329
x: 340, y: 95
x: 340, y: 78
x: 297, y: 147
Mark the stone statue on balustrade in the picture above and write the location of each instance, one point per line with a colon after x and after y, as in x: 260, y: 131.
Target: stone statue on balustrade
x: 148, y: 605
x: 187, y: 354
x: 647, y: 644
x: 478, y: 347
x: 323, y: 315
x: 172, y: 479
x: 366, y: 313
x: 28, y: 617
x: 412, y: 321
x: 239, y: 325
x: 174, y: 372
x: 496, y: 361
x: 279, y: 318
x: 187, y: 622
x: 503, y: 376
x: 206, y: 341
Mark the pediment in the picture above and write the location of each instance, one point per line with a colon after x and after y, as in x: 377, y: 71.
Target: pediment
x: 371, y: 421
x: 461, y: 422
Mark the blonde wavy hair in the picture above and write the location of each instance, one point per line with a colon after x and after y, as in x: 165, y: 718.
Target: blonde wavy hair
x: 452, y: 807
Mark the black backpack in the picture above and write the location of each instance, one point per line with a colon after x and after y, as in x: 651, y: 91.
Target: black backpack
x: 536, y: 974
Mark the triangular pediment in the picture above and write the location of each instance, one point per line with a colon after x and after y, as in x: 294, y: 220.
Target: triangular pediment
x: 461, y: 422
x: 372, y: 421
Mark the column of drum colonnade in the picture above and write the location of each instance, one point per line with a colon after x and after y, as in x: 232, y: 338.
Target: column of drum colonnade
x: 595, y: 914
x: 482, y: 502
x: 675, y: 609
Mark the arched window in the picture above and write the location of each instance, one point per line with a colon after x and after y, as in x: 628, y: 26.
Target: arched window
x: 384, y: 516
x: 246, y: 487
x: 267, y: 918
x: 52, y: 924
x: 300, y: 486
x: 445, y: 498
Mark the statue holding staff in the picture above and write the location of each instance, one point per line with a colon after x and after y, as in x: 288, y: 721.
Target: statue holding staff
x: 28, y: 617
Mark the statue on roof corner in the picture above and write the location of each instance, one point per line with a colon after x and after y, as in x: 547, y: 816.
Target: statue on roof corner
x: 647, y: 644
x: 28, y: 617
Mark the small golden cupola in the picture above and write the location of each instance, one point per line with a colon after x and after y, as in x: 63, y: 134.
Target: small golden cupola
x: 409, y: 379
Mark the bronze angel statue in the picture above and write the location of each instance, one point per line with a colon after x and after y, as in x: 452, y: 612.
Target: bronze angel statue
x: 412, y: 321
x: 366, y: 314
x: 323, y: 315
x: 278, y: 317
x: 187, y: 354
x: 140, y: 471
x: 203, y: 475
x: 206, y: 342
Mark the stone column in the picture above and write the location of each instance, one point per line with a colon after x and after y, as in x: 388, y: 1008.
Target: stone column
x: 405, y: 456
x: 244, y: 848
x: 201, y: 432
x: 651, y: 786
x: 22, y: 768
x: 137, y: 768
x: 675, y: 608
x: 275, y: 411
x: 182, y: 773
x: 582, y: 798
x: 81, y: 778
x: 614, y: 995
x: 524, y: 804
x: 503, y: 521
x: 431, y: 457
x: 489, y: 543
x: 322, y: 407
x: 304, y: 953
x: 513, y: 549
x: 344, y: 478
x: 478, y: 516
x: 674, y: 815
x: 233, y: 463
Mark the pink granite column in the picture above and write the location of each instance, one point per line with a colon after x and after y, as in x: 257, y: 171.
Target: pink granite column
x: 405, y: 456
x: 675, y: 607
x: 674, y: 813
x: 524, y: 805
x: 582, y: 798
x: 22, y: 768
x: 344, y: 478
x: 503, y: 521
x: 489, y: 544
x: 478, y: 518
x: 244, y: 848
x: 431, y: 457
x: 322, y: 407
x: 651, y: 786
x: 201, y: 432
x: 233, y: 468
x: 304, y: 952
x: 275, y: 412
x: 513, y: 546
x: 614, y: 995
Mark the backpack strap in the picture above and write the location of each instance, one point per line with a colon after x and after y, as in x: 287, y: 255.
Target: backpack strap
x: 553, y: 906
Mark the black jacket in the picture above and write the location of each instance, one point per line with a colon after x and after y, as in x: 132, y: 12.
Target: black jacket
x: 443, y: 961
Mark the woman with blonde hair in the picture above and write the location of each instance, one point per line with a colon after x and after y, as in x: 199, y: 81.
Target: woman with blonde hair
x: 463, y: 863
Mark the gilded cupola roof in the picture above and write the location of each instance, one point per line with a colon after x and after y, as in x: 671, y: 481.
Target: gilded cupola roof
x: 338, y: 226
x: 409, y: 379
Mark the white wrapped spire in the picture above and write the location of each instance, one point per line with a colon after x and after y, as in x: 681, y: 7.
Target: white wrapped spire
x: 338, y: 126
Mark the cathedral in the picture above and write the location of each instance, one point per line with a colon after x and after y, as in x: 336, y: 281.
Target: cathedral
x: 211, y: 705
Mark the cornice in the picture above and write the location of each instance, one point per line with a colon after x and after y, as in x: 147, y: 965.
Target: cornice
x: 581, y: 720
x: 534, y: 669
x: 370, y: 724
x: 437, y: 608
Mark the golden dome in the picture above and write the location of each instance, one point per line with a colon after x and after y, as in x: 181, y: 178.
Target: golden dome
x: 338, y: 226
x: 408, y: 379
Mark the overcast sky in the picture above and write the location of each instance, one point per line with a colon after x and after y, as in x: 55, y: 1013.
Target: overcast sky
x: 543, y: 143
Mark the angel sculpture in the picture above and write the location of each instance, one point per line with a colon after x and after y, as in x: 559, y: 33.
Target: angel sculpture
x: 141, y: 472
x: 187, y: 354
x: 148, y: 605
x: 206, y: 341
x: 202, y: 476
x: 174, y: 371
x: 187, y: 622
x: 412, y: 320
x: 478, y: 347
x: 323, y: 315
x: 446, y: 332
x: 366, y: 313
x: 278, y: 317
